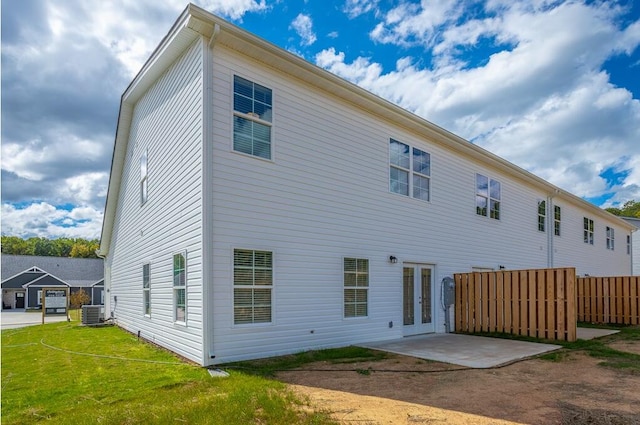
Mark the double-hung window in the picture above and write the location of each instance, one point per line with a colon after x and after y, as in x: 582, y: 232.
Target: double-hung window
x: 356, y: 287
x: 628, y: 244
x: 146, y: 289
x: 610, y: 238
x: 588, y: 231
x: 252, y: 118
x: 180, y: 287
x: 409, y: 171
x: 542, y: 215
x: 252, y: 286
x: 144, y: 178
x: 557, y: 216
x: 487, y: 197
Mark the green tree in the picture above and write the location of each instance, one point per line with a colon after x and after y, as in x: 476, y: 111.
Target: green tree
x: 629, y: 209
x: 14, y: 245
x: 61, y: 247
x: 84, y: 249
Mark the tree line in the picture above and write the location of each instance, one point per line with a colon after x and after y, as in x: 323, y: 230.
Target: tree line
x: 629, y: 209
x: 61, y: 247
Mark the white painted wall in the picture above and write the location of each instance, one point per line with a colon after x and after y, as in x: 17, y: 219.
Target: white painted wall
x: 635, y: 245
x: 167, y: 122
x: 326, y: 196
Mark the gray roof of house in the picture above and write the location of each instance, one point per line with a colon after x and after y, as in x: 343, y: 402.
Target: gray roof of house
x: 77, y: 272
x: 632, y: 220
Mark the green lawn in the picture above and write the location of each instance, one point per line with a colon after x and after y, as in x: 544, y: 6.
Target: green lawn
x: 42, y: 383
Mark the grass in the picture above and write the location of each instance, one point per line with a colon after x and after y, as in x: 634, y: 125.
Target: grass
x: 45, y: 384
x: 268, y: 367
x: 598, y: 348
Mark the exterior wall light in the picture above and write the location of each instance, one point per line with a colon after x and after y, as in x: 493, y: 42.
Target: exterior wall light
x: 393, y: 259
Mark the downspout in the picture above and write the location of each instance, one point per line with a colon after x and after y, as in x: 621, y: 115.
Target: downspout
x: 207, y: 198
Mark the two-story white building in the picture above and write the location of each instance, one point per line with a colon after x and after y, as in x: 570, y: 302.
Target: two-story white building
x: 259, y: 205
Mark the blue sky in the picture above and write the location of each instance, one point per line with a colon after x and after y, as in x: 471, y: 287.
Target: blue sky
x: 552, y: 86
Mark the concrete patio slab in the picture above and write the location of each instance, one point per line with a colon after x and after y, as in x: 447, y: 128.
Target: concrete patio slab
x: 476, y: 352
x: 591, y: 333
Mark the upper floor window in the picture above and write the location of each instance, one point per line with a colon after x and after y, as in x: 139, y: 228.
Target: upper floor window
x: 146, y: 289
x: 487, y: 197
x: 180, y: 287
x: 610, y: 238
x: 252, y: 286
x: 409, y: 171
x: 356, y: 287
x: 143, y: 178
x: 252, y: 118
x: 542, y: 215
x: 588, y: 231
x: 557, y: 216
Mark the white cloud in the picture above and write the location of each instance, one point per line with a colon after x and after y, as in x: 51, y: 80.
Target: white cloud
x: 355, y: 8
x: 45, y: 220
x: 541, y: 101
x: 410, y: 23
x: 303, y: 25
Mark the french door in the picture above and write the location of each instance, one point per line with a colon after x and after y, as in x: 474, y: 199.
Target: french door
x: 417, y: 299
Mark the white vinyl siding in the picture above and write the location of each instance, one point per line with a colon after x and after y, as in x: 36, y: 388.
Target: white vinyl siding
x: 252, y: 108
x: 252, y: 286
x: 167, y: 123
x: 146, y: 289
x: 356, y: 287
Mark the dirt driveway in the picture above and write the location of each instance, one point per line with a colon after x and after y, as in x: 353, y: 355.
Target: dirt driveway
x: 405, y: 390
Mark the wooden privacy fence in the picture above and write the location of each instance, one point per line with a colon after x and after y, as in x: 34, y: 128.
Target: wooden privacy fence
x: 539, y: 303
x: 609, y: 299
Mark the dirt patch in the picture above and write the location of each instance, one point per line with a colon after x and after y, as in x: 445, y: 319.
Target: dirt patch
x: 401, y: 390
x: 628, y: 346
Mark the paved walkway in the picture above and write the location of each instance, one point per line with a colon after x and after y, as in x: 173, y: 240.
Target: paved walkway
x: 10, y: 319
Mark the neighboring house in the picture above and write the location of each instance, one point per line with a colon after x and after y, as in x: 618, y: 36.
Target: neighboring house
x: 259, y: 205
x: 24, y: 276
x: 633, y: 244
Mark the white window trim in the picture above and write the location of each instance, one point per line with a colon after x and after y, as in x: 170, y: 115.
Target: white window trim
x: 344, y: 287
x: 588, y: 231
x: 146, y: 290
x: 254, y: 118
x: 174, y: 289
x: 409, y: 170
x: 144, y: 178
x: 543, y: 216
x: 272, y: 287
x: 557, y: 222
x: 610, y: 238
x: 488, y: 196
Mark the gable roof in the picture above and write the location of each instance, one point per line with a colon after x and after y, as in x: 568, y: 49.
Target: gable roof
x: 195, y: 22
x: 21, y: 279
x: 77, y: 272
